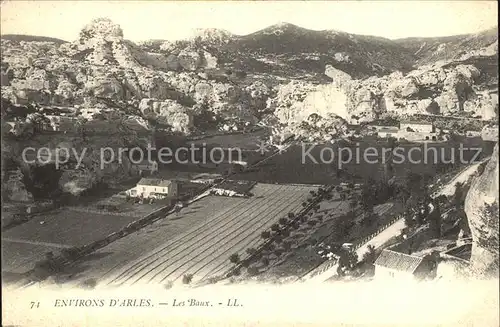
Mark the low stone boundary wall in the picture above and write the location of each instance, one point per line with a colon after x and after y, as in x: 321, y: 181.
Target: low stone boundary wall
x: 330, y: 263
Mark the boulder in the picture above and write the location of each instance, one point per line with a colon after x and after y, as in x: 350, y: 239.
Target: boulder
x: 340, y: 78
x: 167, y: 112
x: 190, y: 60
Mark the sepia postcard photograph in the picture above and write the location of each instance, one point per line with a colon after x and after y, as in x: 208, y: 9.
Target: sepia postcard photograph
x: 249, y: 163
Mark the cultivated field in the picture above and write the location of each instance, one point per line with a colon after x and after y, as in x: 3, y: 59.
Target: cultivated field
x: 197, y: 241
x: 27, y: 243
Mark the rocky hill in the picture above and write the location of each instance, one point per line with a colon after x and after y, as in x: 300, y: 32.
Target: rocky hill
x: 289, y: 51
x: 305, y: 82
x: 430, y: 50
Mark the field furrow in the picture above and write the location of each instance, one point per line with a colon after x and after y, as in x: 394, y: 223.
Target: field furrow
x: 230, y: 223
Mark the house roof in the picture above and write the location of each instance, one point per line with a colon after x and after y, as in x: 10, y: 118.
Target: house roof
x: 398, y: 261
x: 154, y: 182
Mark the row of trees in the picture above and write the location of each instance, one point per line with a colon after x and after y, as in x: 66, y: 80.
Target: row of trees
x: 276, y: 238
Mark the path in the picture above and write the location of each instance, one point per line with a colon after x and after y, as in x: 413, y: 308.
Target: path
x: 377, y: 241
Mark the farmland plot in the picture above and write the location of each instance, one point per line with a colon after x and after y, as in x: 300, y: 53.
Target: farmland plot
x: 203, y: 250
x: 68, y: 227
x: 27, y: 243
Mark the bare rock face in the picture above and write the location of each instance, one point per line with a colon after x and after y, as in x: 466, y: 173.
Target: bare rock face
x: 481, y: 207
x: 168, y: 112
x: 189, y: 60
x: 490, y: 133
x: 340, y: 78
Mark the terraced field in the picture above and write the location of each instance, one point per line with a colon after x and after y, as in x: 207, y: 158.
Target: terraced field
x: 214, y: 228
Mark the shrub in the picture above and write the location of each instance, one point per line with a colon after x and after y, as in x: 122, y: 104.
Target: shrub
x: 270, y: 246
x: 234, y: 258
x: 237, y: 272
x: 169, y: 284
x: 252, y: 271
x: 285, y: 233
x: 291, y: 215
x: 283, y: 221
x: 186, y: 279
x: 265, y: 235
x: 264, y: 261
x: 71, y: 253
x: 275, y: 227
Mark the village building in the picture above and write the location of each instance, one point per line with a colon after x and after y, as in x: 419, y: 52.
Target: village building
x: 233, y: 188
x: 391, y: 264
x: 473, y: 134
x: 419, y: 126
x: 57, y: 123
x: 387, y: 131
x: 155, y: 188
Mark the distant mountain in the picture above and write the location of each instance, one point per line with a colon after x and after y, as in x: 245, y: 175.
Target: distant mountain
x: 31, y: 38
x: 291, y: 51
x: 429, y: 50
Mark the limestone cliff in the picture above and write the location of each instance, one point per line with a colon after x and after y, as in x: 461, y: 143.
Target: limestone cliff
x: 481, y: 207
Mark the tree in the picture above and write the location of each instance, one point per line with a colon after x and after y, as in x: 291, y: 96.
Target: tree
x: 278, y: 239
x: 265, y: 235
x: 458, y: 197
x: 408, y: 219
x: 275, y: 227
x: 283, y: 221
x: 234, y: 258
x: 370, y: 255
x: 435, y: 220
x: 370, y: 218
x: 264, y: 261
x: 186, y: 279
x: 348, y: 259
x: 252, y: 271
x: 291, y: 215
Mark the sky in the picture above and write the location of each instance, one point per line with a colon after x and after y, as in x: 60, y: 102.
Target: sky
x: 172, y: 20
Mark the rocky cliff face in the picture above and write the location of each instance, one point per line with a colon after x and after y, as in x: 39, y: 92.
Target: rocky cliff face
x: 481, y: 207
x: 101, y: 64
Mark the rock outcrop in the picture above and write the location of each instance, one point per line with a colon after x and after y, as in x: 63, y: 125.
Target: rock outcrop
x: 481, y: 207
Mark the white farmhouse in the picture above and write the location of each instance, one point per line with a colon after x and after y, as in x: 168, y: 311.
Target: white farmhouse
x: 155, y: 188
